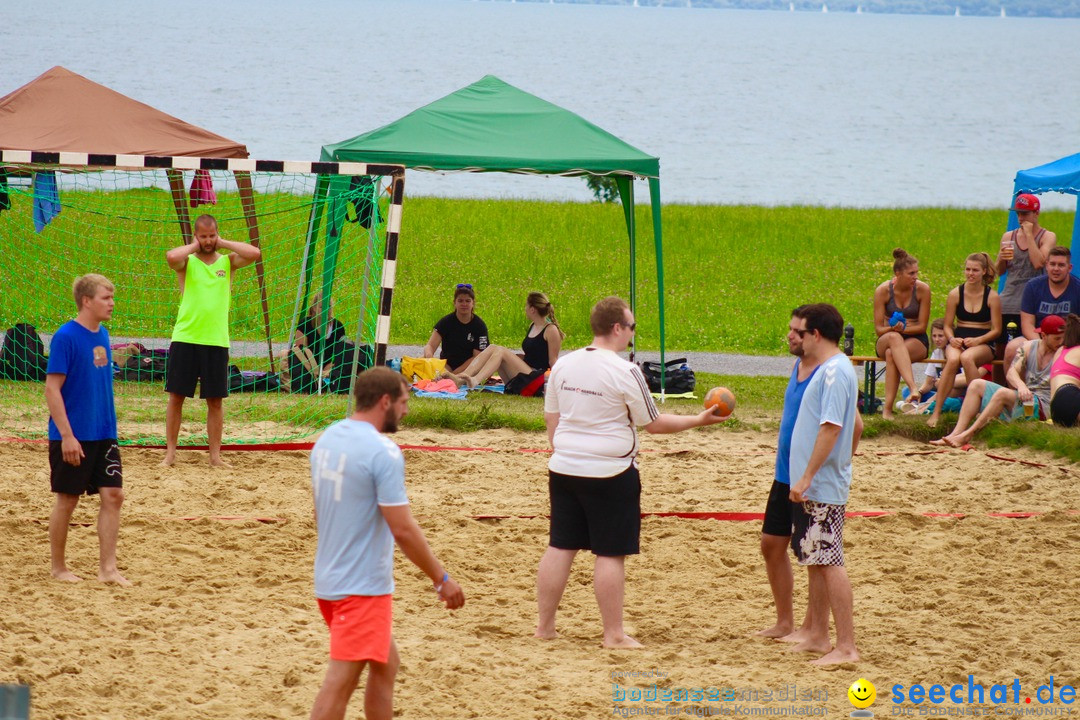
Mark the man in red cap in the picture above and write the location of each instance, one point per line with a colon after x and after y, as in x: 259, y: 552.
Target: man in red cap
x: 1029, y: 375
x: 1023, y: 255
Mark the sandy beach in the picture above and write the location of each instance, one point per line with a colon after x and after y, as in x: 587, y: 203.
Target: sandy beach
x: 221, y: 622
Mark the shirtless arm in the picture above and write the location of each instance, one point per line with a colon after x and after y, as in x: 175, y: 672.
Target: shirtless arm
x: 554, y: 343
x: 1038, y: 252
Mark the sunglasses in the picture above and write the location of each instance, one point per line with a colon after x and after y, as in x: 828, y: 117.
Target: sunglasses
x: 631, y: 327
x: 464, y: 285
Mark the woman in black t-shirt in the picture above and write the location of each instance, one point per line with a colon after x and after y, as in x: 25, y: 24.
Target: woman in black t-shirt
x: 462, y: 334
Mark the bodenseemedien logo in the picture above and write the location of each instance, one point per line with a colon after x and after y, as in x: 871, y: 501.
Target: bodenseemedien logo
x: 862, y: 694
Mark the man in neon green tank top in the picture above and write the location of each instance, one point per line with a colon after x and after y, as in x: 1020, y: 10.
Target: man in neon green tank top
x: 199, y: 352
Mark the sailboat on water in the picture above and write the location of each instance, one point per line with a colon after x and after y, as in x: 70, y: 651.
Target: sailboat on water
x: 824, y: 8
x: 957, y: 14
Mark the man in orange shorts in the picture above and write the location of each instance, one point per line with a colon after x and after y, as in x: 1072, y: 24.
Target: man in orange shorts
x: 361, y: 509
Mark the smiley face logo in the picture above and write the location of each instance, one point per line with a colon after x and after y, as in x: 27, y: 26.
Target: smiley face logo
x: 862, y: 693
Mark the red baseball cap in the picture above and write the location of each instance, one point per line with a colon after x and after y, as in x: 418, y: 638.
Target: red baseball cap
x: 1026, y: 203
x: 1052, y: 325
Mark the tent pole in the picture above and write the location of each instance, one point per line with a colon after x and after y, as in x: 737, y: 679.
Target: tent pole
x: 626, y: 194
x: 389, y: 273
x: 1076, y: 225
x: 179, y: 197
x: 658, y: 241
x: 247, y: 202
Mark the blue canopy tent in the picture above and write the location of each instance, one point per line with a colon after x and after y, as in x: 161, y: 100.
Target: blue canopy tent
x: 1061, y: 176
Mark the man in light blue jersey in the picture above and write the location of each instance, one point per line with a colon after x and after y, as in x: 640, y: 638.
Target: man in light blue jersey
x: 826, y: 434
x: 361, y: 510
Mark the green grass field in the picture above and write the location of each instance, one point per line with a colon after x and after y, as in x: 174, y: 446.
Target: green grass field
x: 732, y: 274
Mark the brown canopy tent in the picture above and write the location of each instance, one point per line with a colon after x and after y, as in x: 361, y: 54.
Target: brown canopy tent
x: 61, y: 111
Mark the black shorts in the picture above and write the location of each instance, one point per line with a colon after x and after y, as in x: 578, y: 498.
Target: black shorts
x: 99, y: 468
x: 778, y: 511
x: 1065, y: 406
x: 207, y: 365
x: 598, y: 514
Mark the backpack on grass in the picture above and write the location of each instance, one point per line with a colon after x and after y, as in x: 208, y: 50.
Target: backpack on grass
x: 22, y: 355
x: 679, y: 378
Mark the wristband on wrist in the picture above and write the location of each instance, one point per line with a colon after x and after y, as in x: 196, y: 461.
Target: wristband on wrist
x: 445, y: 577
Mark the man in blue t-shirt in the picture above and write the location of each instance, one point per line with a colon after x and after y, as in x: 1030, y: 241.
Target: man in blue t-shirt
x: 361, y: 509
x: 776, y: 528
x: 826, y: 433
x: 1055, y: 293
x: 83, y: 453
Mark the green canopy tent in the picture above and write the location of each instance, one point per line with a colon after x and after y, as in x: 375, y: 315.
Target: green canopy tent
x: 492, y: 126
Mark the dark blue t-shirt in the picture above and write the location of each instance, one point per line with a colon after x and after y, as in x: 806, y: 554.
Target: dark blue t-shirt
x: 85, y: 359
x: 1038, y: 301
x: 792, y: 400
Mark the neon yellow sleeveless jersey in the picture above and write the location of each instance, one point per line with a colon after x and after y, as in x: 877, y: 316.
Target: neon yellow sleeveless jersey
x: 203, y: 317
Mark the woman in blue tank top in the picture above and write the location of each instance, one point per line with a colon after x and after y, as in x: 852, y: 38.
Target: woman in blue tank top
x: 901, y: 342
x: 540, y: 350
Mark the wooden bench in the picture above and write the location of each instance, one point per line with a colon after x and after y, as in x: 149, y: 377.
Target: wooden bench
x: 871, y: 375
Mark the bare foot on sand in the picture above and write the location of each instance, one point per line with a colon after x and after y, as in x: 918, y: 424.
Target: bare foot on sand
x: 940, y: 442
x: 114, y: 577
x: 837, y: 657
x: 623, y: 643
x: 545, y: 634
x: 168, y: 461
x: 219, y: 463
x: 65, y: 575
x: 778, y: 631
x: 958, y: 441
x: 796, y: 637
x: 812, y: 645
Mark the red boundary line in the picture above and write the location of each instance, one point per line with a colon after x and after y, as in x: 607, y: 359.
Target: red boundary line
x: 751, y: 516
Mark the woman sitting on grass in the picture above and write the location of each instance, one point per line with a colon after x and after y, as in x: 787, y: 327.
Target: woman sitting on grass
x: 976, y: 310
x: 1065, y: 377
x: 901, y: 341
x: 540, y: 350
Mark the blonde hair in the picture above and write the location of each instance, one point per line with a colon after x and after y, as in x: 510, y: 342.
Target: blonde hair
x: 88, y: 285
x: 539, y: 301
x: 988, y: 269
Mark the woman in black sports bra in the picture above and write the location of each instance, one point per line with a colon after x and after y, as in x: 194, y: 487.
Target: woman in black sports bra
x: 540, y: 349
x: 976, y: 310
x: 901, y: 343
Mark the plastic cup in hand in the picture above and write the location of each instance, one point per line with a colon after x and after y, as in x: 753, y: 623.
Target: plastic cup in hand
x: 1029, y: 408
x: 1007, y: 249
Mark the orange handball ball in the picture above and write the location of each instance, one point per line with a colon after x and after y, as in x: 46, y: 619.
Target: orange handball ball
x: 722, y: 398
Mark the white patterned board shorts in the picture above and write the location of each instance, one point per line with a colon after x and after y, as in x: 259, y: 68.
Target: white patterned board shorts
x: 818, y: 533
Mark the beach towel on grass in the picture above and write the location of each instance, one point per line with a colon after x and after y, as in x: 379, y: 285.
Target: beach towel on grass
x: 446, y: 389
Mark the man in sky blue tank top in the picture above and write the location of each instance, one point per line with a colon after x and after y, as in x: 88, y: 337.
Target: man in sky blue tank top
x: 826, y: 433
x: 776, y: 528
x: 83, y: 453
x: 361, y: 510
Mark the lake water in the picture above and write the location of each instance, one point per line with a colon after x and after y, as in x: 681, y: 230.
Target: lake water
x: 740, y: 106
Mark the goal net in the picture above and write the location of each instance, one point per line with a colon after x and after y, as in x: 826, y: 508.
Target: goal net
x: 303, y: 320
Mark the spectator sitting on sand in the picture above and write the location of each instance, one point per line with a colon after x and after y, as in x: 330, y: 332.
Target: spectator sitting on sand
x: 540, y: 350
x: 976, y: 310
x: 1029, y: 375
x: 901, y: 341
x: 462, y: 334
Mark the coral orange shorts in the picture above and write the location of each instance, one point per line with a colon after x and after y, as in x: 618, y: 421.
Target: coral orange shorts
x: 359, y: 627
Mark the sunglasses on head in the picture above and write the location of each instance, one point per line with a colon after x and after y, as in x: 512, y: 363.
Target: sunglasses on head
x: 464, y: 285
